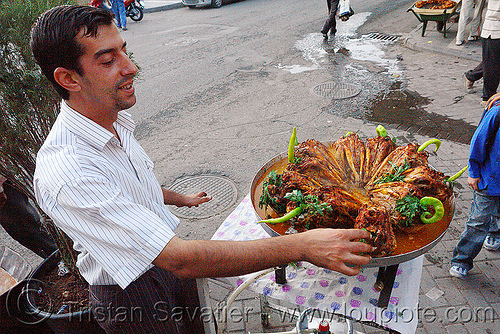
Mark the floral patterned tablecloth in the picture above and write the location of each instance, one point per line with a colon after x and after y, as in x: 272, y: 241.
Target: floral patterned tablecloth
x: 329, y: 291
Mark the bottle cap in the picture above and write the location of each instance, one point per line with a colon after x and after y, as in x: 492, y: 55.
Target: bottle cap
x: 324, y: 326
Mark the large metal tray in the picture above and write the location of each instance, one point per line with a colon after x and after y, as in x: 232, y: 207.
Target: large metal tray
x: 375, y: 262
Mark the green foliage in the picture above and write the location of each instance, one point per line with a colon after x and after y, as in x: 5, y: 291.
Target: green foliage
x: 395, y: 174
x: 266, y: 199
x: 28, y: 104
x: 409, y: 207
x: 310, y: 204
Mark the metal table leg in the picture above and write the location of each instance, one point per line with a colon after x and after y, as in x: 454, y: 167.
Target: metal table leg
x: 384, y: 284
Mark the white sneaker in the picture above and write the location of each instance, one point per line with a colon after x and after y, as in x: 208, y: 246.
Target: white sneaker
x: 484, y: 103
x: 458, y: 272
x: 491, y: 243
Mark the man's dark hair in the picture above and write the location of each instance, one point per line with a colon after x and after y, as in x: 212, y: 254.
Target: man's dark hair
x: 53, y: 38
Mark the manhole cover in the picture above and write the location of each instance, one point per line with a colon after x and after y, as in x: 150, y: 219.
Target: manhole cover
x: 337, y: 90
x: 383, y: 37
x: 222, y: 190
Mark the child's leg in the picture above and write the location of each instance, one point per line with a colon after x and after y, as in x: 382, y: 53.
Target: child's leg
x: 492, y: 242
x: 483, y: 209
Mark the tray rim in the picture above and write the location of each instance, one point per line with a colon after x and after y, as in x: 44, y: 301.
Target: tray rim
x: 374, y: 262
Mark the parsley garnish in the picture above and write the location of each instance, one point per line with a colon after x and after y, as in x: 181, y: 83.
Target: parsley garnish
x: 409, y: 207
x: 395, y: 174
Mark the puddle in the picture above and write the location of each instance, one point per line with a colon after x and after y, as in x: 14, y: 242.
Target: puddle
x: 363, y: 61
x: 294, y: 69
x: 404, y: 109
x: 319, y: 53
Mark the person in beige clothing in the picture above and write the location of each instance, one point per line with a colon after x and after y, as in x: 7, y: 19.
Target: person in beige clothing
x: 489, y: 68
x: 471, y: 13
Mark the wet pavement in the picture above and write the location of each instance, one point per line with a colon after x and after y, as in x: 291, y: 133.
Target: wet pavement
x: 425, y: 97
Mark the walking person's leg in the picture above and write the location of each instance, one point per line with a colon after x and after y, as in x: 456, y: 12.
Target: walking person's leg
x: 492, y: 242
x: 477, y: 20
x: 114, y: 8
x: 477, y: 227
x: 491, y: 67
x: 472, y: 76
x: 330, y: 23
x: 122, y: 14
x: 464, y: 18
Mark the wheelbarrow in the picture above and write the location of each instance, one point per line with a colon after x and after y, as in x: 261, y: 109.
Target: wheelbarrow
x: 440, y: 16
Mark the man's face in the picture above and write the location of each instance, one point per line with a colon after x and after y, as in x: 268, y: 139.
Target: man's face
x: 108, y: 73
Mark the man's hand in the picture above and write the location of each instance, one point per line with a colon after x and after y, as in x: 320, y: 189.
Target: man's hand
x: 196, y: 199
x: 473, y: 182
x: 338, y: 249
x: 172, y: 198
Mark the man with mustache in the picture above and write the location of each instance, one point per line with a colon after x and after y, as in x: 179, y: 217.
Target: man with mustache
x: 97, y: 183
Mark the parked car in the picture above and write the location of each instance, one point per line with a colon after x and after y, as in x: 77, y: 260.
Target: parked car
x: 202, y: 3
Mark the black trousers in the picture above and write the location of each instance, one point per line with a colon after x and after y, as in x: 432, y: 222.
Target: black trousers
x: 22, y: 222
x: 488, y: 69
x: 157, y: 302
x: 330, y: 23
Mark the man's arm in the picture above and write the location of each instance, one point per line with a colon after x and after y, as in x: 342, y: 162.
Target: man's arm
x: 329, y: 248
x: 172, y: 198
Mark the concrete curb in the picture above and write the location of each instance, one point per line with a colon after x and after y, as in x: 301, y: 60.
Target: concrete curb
x: 414, y: 42
x: 162, y: 8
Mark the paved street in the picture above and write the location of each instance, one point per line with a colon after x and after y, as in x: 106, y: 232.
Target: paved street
x: 242, y: 121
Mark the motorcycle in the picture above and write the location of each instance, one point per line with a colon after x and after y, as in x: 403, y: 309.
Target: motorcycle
x: 134, y: 9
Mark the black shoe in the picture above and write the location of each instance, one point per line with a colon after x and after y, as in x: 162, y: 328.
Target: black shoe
x: 325, y: 37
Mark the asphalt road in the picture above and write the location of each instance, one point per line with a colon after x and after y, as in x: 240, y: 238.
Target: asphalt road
x: 217, y: 94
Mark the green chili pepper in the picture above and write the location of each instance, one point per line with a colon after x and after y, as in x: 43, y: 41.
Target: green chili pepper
x: 381, y: 131
x: 291, y: 146
x: 348, y: 133
x: 434, y: 141
x: 295, y: 212
x: 426, y: 217
x: 457, y: 175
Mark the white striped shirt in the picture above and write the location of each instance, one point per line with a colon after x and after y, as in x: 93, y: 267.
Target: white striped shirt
x: 104, y: 195
x: 491, y: 25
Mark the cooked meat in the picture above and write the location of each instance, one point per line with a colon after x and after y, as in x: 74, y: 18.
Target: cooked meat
x: 356, y: 183
x: 376, y: 150
x: 386, y: 195
x: 398, y: 157
x: 314, y: 154
x: 375, y: 220
x: 429, y: 181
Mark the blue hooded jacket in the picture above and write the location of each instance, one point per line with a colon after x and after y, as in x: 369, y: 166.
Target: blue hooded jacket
x: 484, y: 156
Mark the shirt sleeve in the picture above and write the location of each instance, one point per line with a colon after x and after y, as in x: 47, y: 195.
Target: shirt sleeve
x: 124, y: 237
x: 480, y: 142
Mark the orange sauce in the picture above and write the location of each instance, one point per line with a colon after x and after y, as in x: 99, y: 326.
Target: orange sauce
x: 406, y: 242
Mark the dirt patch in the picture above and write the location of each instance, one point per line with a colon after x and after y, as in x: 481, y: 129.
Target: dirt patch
x: 63, y: 294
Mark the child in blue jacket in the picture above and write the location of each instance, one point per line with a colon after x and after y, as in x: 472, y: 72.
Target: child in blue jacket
x: 484, y: 179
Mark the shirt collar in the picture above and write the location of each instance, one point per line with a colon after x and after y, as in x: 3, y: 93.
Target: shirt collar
x: 89, y: 130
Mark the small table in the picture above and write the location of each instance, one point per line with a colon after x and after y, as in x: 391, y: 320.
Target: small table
x: 441, y: 16
x: 355, y: 297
